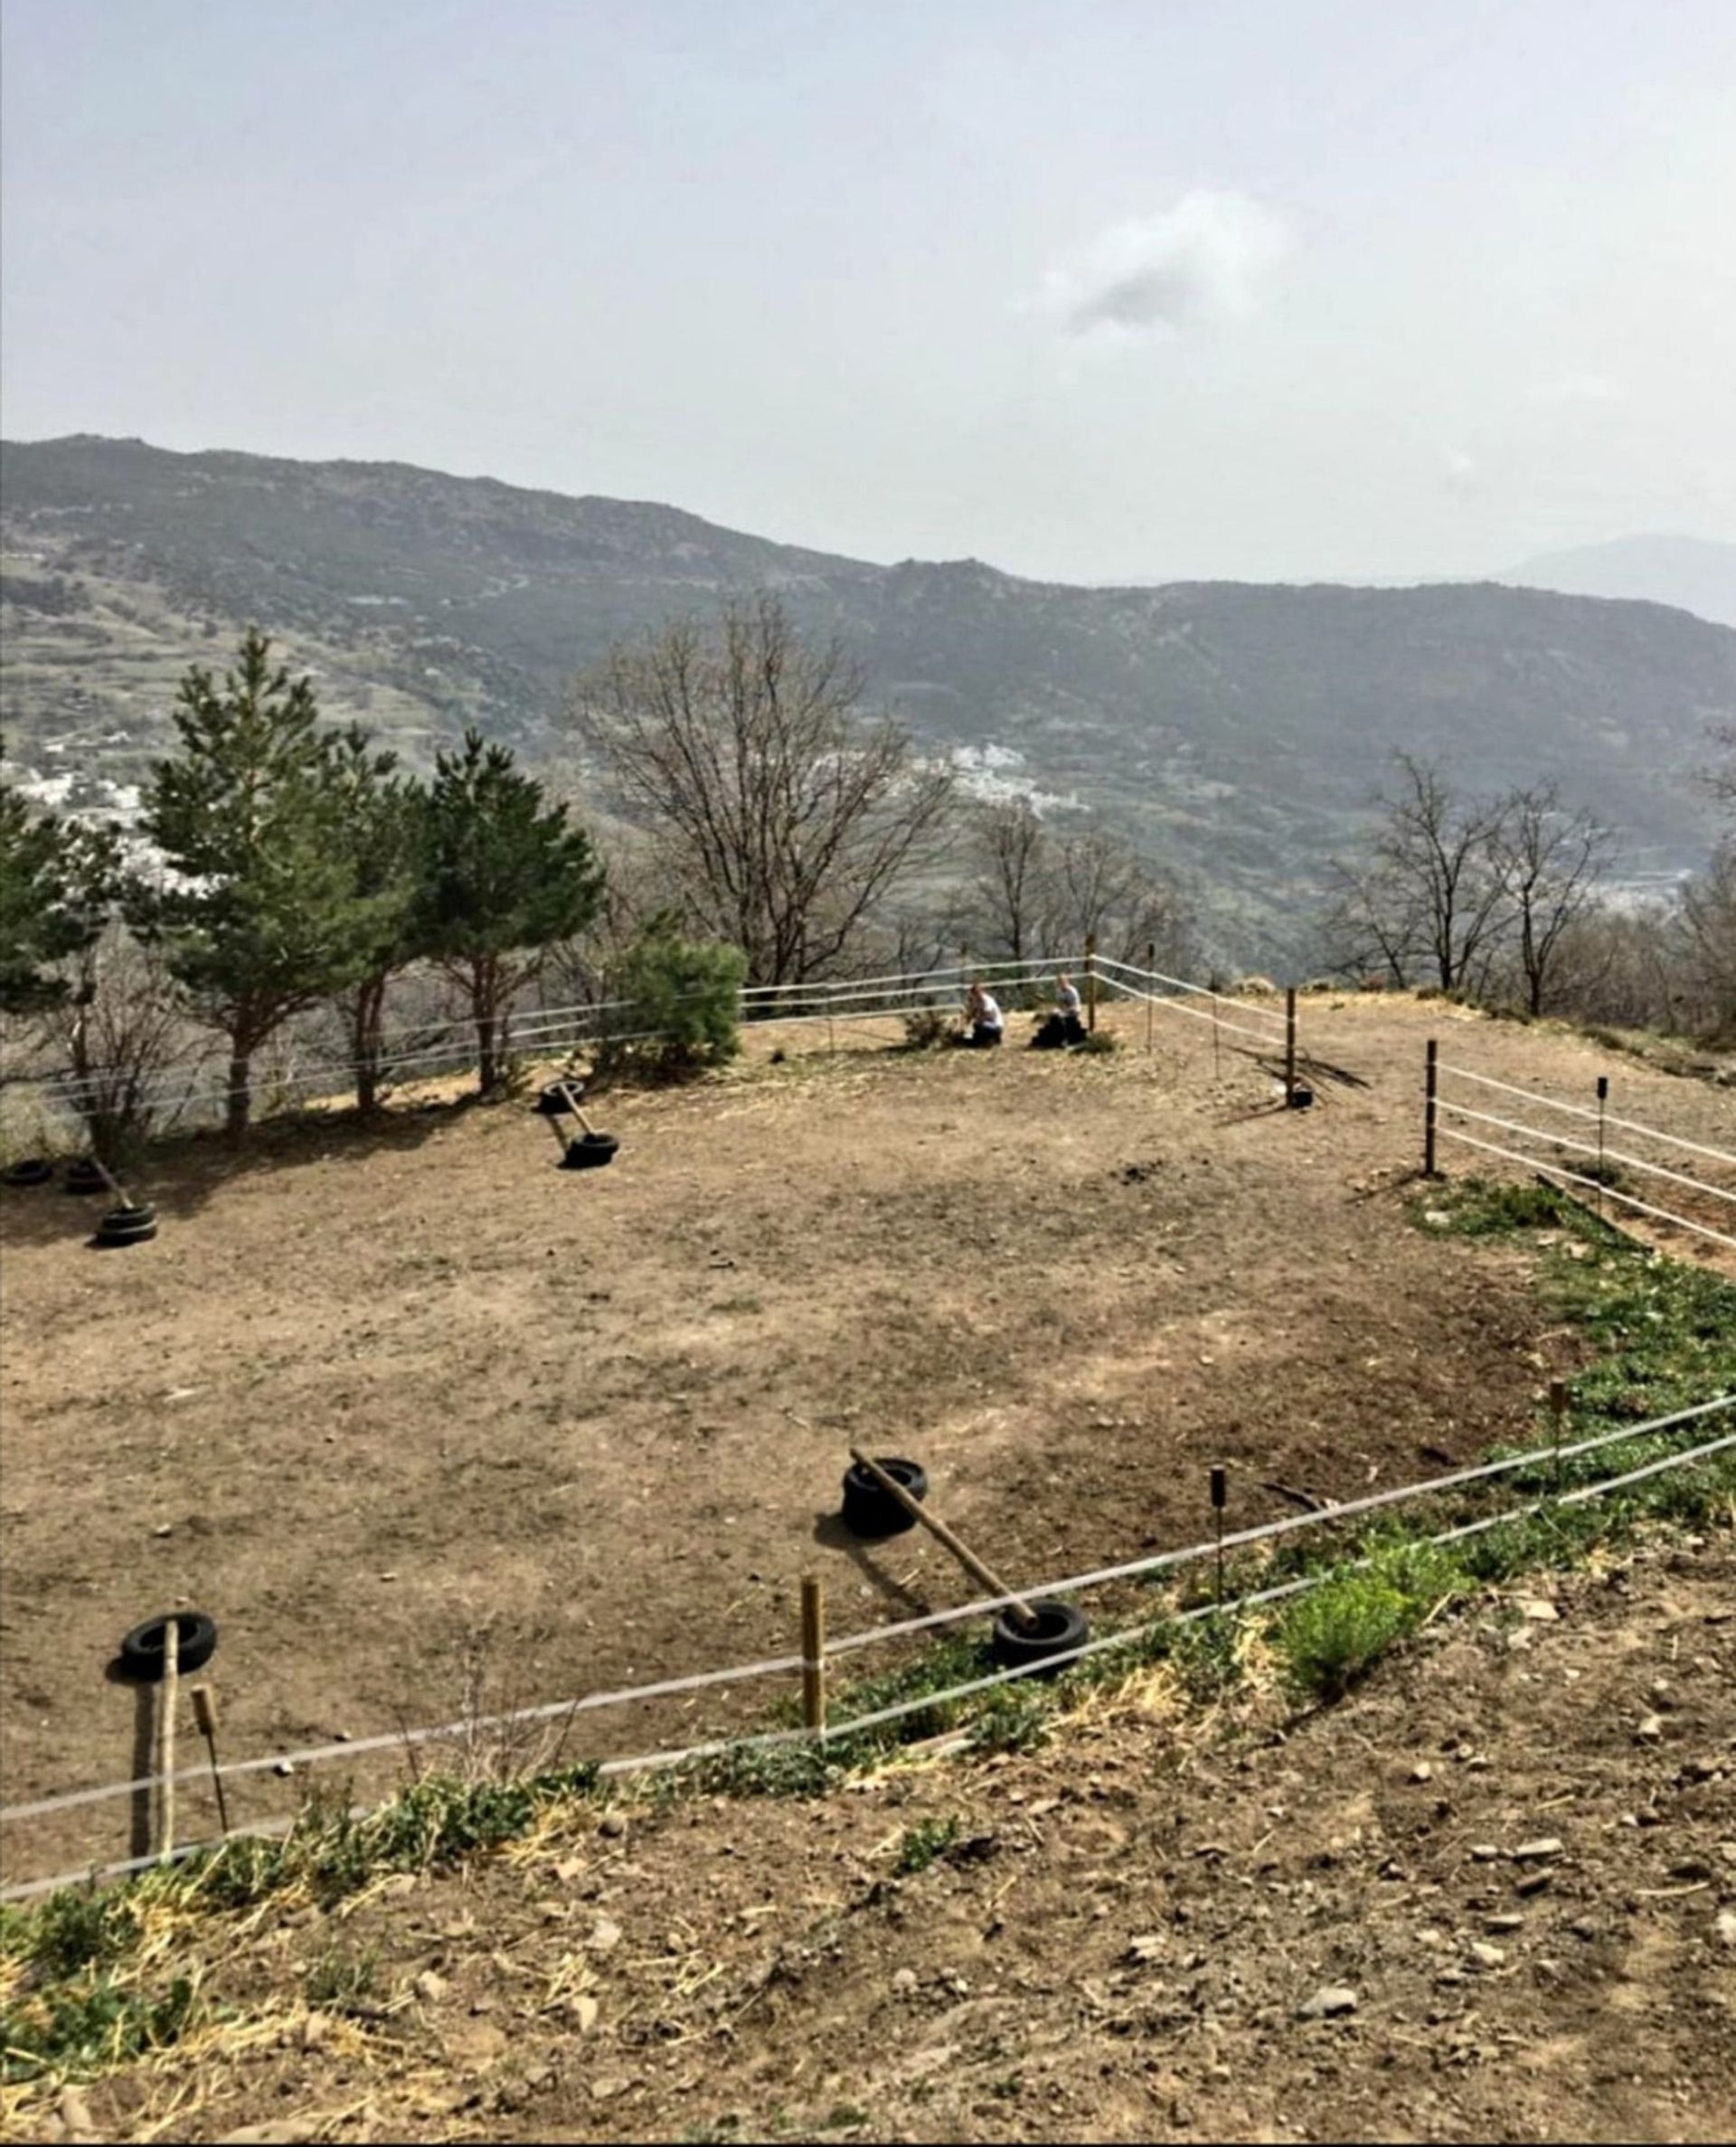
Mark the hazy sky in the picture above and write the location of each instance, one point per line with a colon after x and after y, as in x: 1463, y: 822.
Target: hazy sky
x: 1091, y: 288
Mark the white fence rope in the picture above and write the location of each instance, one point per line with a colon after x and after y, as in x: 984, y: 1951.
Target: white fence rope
x: 619, y: 1768
x: 1586, y: 1148
x: 1548, y: 1170
x: 1107, y: 962
x: 1627, y: 1125
x: 1271, y: 1041
x: 1350, y: 1509
x: 874, y: 1635
x: 545, y: 1029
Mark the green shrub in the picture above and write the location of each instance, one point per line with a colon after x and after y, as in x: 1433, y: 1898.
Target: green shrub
x: 90, y: 2028
x: 684, y: 1007
x: 927, y: 1027
x: 1337, y: 1633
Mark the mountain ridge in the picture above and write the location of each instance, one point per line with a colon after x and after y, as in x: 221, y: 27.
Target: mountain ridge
x: 1234, y: 729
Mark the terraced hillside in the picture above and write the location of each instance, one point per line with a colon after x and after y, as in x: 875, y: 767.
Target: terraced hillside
x: 1235, y: 728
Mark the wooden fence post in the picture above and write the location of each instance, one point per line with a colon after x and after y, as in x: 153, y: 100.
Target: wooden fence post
x: 204, y: 1713
x: 813, y: 1654
x: 1151, y: 997
x: 1289, y: 1045
x: 1429, y: 1081
x: 1090, y: 981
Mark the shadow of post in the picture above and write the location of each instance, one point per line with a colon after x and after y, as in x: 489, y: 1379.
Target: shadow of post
x: 831, y: 1532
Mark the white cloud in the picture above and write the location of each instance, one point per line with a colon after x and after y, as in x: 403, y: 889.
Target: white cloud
x: 1210, y: 258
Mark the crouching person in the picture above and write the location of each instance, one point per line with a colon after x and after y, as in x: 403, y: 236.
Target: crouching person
x: 984, y: 1025
x: 1066, y: 1023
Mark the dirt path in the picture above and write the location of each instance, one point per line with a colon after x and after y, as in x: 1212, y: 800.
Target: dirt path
x: 420, y: 1419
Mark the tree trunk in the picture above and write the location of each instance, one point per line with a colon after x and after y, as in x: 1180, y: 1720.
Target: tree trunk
x: 487, y: 1064
x: 239, y: 1101
x: 364, y: 1039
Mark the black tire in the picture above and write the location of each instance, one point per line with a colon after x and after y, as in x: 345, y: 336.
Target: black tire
x: 33, y: 1170
x: 82, y: 1175
x: 552, y: 1102
x: 590, y: 1151
x: 141, y: 1652
x: 126, y: 1226
x: 1060, y: 1628
x: 1301, y: 1098
x: 868, y: 1510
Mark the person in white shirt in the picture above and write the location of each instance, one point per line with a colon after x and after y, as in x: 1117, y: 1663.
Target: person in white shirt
x: 1066, y: 1024
x: 983, y: 1021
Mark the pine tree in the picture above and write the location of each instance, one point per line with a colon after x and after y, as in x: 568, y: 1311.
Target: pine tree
x: 59, y: 881
x: 505, y: 876
x: 258, y: 915
x: 384, y: 817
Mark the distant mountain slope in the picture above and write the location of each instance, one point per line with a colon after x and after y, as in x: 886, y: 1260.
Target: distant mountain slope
x: 1236, y: 729
x: 1693, y: 573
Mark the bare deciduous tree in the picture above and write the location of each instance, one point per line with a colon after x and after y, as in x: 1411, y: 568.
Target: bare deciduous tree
x: 789, y: 814
x: 1429, y: 900
x: 1709, y: 914
x: 124, y: 1030
x: 1548, y: 861
x: 1011, y: 890
x: 1035, y: 892
x: 1105, y: 892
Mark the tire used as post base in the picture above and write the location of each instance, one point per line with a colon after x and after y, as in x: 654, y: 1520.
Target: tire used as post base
x: 141, y: 1651
x: 868, y: 1510
x: 134, y: 1225
x: 590, y: 1151
x: 1059, y: 1629
x: 82, y: 1175
x: 31, y: 1170
x: 554, y: 1100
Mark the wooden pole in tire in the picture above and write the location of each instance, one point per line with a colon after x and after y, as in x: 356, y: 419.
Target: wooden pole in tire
x: 1151, y: 997
x: 1430, y: 1082
x: 813, y: 1654
x: 168, y: 1698
x: 1090, y: 981
x: 571, y: 1094
x: 965, y: 1556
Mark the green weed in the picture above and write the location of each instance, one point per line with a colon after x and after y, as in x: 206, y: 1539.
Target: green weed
x: 80, y: 2029
x: 923, y: 1842
x: 343, y: 1980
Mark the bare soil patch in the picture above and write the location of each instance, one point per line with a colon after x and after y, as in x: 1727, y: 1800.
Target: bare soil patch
x: 382, y: 1403
x: 1512, y: 1854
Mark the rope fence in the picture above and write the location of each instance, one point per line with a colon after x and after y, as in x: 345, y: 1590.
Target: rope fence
x: 616, y: 1769
x: 547, y: 1031
x: 1439, y: 1107
x: 1717, y: 1155
x: 1073, y: 1584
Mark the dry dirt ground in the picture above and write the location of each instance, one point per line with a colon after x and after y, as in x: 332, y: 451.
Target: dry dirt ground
x: 390, y: 1405
x: 1512, y: 1856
